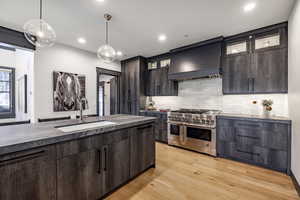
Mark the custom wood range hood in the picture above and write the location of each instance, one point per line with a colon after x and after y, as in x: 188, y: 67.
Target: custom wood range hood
x: 198, y: 60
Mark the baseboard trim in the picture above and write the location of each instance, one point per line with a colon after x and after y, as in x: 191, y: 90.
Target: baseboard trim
x: 296, y: 184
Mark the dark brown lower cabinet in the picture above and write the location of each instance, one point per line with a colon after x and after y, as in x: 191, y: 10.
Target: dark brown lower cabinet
x: 78, y: 177
x: 142, y: 149
x: 161, y: 124
x: 79, y: 170
x: 28, y: 175
x: 264, y: 143
x: 116, y: 159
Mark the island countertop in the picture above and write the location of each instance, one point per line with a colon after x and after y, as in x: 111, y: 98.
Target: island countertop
x: 27, y: 136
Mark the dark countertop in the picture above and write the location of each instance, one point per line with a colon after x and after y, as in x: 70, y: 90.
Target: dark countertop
x: 256, y: 117
x: 154, y: 111
x: 28, y: 136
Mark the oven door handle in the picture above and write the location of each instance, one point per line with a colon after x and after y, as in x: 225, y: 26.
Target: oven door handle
x: 183, y: 134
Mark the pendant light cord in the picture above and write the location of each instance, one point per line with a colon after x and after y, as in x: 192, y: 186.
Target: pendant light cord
x: 106, y: 38
x: 41, y: 9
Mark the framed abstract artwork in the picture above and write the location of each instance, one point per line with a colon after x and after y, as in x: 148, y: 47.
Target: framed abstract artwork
x: 68, y: 89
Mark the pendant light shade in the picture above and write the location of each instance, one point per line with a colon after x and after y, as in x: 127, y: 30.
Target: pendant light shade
x: 106, y: 52
x: 38, y: 32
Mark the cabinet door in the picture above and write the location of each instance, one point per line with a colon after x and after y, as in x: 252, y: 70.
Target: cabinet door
x: 142, y: 152
x: 79, y: 175
x: 154, y: 82
x: 116, y: 154
x: 165, y: 84
x: 164, y: 129
x: 125, y: 85
x: 158, y: 83
x: 149, y: 84
x: 236, y: 73
x: 271, y: 71
x: 168, y: 87
x: 130, y: 87
x: 28, y: 175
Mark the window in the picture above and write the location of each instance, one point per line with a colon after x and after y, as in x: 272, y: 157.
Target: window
x: 152, y: 65
x: 266, y: 42
x: 236, y: 48
x: 165, y: 63
x: 7, y: 89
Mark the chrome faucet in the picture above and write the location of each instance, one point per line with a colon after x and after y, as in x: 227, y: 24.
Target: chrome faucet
x: 84, y: 101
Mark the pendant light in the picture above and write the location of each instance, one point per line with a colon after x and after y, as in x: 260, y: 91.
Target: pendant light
x: 38, y: 32
x: 106, y: 52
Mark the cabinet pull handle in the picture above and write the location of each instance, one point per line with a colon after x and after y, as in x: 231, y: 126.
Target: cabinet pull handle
x: 158, y: 89
x: 144, y: 127
x: 249, y: 82
x: 29, y: 156
x: 247, y: 152
x: 105, y: 158
x: 248, y: 124
x: 251, y: 137
x: 100, y: 161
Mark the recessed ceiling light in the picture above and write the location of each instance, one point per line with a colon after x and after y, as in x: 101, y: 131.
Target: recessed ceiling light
x: 100, y: 0
x: 81, y: 40
x: 162, y: 37
x: 250, y: 6
x: 119, y: 53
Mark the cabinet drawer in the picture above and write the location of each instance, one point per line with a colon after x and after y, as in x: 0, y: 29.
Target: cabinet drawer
x: 247, y: 124
x: 269, y: 158
x: 145, y: 128
x: 276, y: 140
x: 44, y: 153
x: 77, y: 146
x: 248, y: 137
x: 225, y: 133
x: 252, y: 154
x: 116, y: 136
x: 224, y: 122
x: 276, y: 127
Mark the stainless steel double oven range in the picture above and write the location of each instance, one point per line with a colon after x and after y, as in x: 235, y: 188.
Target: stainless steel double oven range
x: 193, y: 129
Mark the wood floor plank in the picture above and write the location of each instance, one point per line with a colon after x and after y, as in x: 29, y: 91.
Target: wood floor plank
x: 185, y: 175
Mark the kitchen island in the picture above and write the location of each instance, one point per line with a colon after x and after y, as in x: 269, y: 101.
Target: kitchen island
x: 42, y: 162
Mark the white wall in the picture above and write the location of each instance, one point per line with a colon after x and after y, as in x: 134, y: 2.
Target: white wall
x: 107, y: 98
x: 207, y: 94
x: 22, y: 61
x: 66, y: 59
x: 24, y: 65
x: 294, y: 82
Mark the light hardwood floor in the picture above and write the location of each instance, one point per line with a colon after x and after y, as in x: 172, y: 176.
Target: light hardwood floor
x: 185, y: 175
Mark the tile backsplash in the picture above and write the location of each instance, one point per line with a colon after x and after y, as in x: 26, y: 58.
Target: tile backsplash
x: 207, y: 94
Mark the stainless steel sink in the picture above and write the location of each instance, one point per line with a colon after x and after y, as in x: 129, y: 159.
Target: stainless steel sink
x: 84, y: 126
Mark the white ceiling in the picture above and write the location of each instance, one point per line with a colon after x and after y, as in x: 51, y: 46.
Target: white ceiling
x: 136, y: 24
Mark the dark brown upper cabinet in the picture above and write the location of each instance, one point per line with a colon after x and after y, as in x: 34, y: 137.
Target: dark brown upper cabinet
x: 157, y: 83
x: 133, y: 85
x: 256, y: 62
